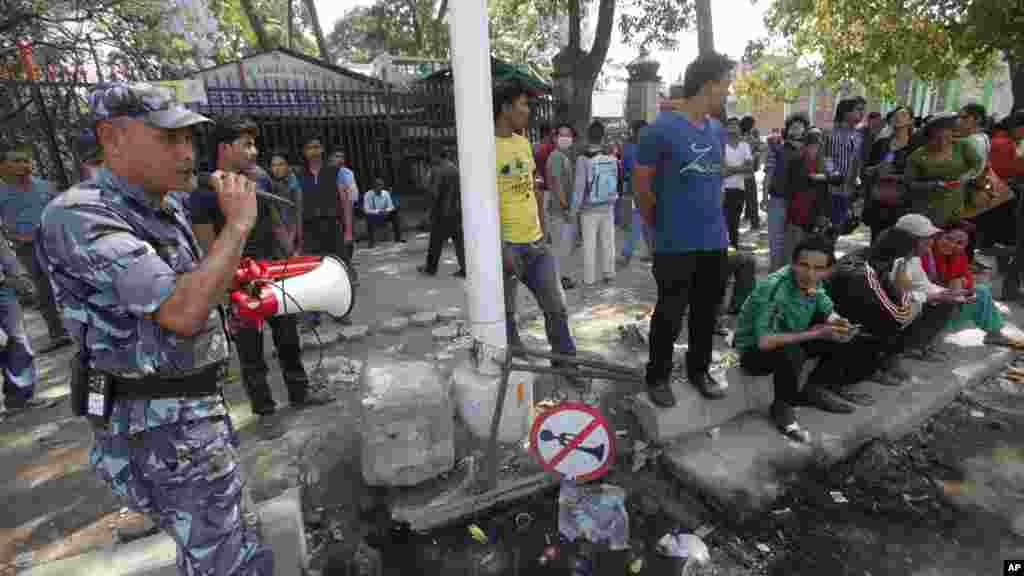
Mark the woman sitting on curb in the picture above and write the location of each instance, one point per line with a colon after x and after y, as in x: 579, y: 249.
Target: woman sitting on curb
x: 948, y: 266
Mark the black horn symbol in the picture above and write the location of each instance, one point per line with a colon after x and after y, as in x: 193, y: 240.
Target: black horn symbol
x: 565, y: 438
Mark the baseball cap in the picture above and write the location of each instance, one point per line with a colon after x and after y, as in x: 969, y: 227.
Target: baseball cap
x: 154, y: 105
x: 916, y: 225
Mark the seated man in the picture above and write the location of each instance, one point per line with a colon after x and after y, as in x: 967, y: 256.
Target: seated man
x: 787, y: 320
x: 379, y: 208
x: 875, y: 287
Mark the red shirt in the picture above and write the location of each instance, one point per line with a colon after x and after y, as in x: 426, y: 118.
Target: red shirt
x: 1003, y: 156
x: 949, y: 268
x: 543, y: 152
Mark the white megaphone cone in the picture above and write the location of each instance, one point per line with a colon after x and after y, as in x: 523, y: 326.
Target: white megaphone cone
x: 327, y: 288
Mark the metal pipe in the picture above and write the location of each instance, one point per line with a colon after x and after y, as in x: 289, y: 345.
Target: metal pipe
x: 471, y: 68
x: 576, y: 361
x: 618, y: 376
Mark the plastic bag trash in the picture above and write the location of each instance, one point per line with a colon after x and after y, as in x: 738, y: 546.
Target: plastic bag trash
x: 595, y: 513
x: 683, y: 545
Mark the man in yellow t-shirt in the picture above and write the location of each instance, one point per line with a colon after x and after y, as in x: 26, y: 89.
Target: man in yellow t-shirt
x: 525, y: 255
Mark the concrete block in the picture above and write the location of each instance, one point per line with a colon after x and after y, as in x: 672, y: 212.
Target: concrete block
x: 424, y: 319
x: 283, y: 531
x: 693, y: 413
x: 408, y: 424
x: 743, y: 467
x: 394, y: 325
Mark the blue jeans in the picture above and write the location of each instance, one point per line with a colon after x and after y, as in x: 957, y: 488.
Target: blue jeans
x: 17, y: 358
x: 637, y: 229
x: 534, y: 266
x: 777, y: 232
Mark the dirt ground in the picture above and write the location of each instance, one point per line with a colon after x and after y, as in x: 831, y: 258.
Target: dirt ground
x: 940, y: 501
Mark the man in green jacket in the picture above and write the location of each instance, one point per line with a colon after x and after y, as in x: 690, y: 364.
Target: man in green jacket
x: 789, y: 319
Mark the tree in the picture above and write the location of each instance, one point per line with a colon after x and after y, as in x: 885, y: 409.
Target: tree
x: 398, y: 27
x: 774, y: 77
x: 873, y: 42
x: 318, y: 31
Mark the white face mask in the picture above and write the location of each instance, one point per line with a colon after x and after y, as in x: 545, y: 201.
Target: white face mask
x: 564, y: 142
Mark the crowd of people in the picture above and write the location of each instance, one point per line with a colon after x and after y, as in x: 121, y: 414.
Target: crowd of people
x: 133, y: 270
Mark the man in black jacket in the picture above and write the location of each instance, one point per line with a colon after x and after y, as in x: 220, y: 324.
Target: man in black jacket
x: 446, y: 215
x: 874, y: 288
x: 236, y: 153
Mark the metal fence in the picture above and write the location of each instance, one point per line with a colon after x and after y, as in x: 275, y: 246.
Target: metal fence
x: 384, y: 131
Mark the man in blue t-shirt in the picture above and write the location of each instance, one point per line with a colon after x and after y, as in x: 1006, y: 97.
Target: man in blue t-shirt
x: 678, y: 183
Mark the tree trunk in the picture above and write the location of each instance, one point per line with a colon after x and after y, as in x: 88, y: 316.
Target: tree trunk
x: 1017, y: 83
x: 705, y: 32
x: 321, y: 42
x: 576, y: 71
x: 257, y: 25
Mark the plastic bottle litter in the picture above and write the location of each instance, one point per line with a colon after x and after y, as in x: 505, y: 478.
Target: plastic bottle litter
x: 594, y: 513
x: 683, y: 545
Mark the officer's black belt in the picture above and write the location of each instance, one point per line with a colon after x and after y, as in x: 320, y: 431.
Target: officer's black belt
x: 197, y: 384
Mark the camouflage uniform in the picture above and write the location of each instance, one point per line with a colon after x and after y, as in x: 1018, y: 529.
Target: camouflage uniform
x: 16, y: 357
x: 174, y: 459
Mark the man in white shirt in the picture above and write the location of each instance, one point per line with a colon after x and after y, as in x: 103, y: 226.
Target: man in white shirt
x: 380, y: 209
x: 737, y: 165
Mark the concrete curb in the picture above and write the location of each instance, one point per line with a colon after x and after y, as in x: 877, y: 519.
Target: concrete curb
x: 742, y: 469
x: 283, y: 530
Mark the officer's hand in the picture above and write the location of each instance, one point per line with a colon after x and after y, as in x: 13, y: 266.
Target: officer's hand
x: 236, y: 196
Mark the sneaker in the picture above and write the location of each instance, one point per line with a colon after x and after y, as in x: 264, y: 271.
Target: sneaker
x: 785, y: 419
x: 661, y: 394
x: 708, y: 386
x: 426, y: 271
x: 316, y: 395
x: 460, y: 273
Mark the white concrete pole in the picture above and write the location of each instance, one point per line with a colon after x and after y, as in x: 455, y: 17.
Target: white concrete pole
x: 474, y: 122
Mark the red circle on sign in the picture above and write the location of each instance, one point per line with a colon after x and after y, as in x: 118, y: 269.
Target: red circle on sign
x: 598, y: 418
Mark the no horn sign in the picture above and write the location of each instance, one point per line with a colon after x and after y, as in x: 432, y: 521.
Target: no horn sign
x: 573, y: 440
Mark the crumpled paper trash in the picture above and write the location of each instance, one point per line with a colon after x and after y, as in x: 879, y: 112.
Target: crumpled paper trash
x: 682, y: 545
x: 595, y: 513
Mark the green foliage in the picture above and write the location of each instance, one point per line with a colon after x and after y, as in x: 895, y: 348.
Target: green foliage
x: 400, y: 27
x: 655, y: 23
x: 870, y: 40
x: 773, y: 78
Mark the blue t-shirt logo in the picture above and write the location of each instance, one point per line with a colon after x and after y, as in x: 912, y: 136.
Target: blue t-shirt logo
x: 703, y: 163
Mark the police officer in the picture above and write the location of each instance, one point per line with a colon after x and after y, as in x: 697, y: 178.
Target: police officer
x: 141, y: 302
x: 235, y: 141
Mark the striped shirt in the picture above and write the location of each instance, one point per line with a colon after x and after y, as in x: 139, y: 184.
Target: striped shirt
x: 845, y: 154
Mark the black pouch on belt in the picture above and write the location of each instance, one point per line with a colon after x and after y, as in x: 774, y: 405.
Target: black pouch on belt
x: 91, y: 392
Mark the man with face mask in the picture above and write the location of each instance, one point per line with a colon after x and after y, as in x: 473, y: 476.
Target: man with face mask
x: 561, y: 180
x: 236, y: 154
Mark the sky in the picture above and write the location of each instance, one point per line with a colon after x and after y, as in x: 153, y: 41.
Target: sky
x: 735, y: 22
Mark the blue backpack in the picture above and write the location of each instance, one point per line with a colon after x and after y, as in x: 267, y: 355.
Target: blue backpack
x: 602, y: 180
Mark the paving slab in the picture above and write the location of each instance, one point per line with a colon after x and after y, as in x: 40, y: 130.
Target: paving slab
x: 743, y: 467
x: 283, y: 530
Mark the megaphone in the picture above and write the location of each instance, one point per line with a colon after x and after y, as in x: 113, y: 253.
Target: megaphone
x: 270, y: 289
